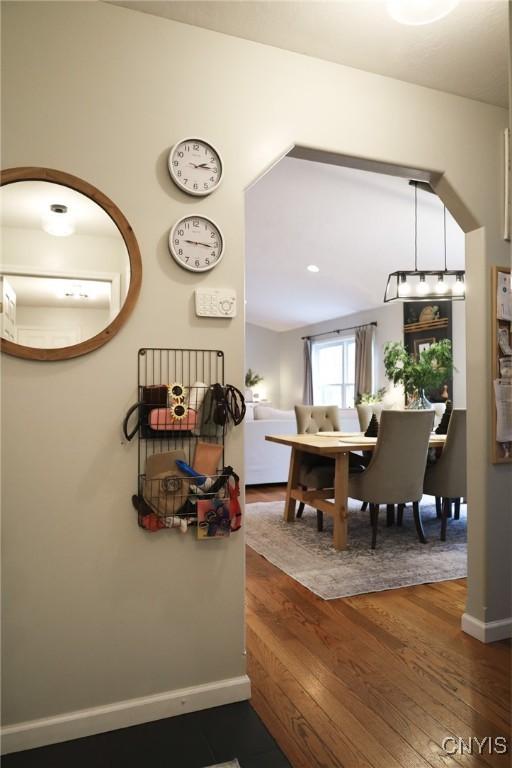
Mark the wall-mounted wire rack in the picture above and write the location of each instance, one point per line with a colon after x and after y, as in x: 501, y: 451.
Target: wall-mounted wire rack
x: 172, y: 385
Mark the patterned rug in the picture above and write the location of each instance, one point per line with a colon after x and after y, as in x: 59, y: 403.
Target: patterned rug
x: 398, y: 561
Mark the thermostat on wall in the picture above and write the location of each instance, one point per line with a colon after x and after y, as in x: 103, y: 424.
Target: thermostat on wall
x: 215, y: 302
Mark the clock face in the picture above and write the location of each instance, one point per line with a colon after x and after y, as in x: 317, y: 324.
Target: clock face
x: 195, y: 166
x: 196, y: 243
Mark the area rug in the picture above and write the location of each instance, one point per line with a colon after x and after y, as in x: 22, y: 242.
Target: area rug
x: 399, y: 560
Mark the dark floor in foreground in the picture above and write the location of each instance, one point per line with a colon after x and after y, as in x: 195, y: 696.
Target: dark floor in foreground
x: 190, y: 741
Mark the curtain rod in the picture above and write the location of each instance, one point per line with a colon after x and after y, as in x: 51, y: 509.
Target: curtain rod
x: 338, y: 330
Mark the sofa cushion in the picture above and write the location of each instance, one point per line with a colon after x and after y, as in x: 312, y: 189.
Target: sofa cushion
x: 266, y: 412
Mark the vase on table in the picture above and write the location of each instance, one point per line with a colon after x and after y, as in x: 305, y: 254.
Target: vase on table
x: 420, y: 402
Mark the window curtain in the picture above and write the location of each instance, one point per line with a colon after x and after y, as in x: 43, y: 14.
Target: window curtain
x: 307, y: 393
x: 364, y: 359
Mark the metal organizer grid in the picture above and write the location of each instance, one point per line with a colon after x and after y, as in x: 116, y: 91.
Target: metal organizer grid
x: 173, y: 423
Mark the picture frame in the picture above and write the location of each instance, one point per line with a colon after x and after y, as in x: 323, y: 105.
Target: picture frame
x: 421, y: 344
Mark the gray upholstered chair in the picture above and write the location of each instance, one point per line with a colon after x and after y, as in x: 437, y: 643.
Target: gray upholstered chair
x: 447, y: 477
x: 396, y: 471
x: 316, y: 471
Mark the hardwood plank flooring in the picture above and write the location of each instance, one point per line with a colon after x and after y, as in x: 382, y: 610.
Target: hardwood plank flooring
x: 377, y: 680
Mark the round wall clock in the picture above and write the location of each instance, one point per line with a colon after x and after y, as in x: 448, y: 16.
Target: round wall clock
x: 196, y: 243
x: 195, y: 166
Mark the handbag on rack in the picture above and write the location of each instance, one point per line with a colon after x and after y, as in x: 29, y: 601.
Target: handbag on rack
x: 222, y: 405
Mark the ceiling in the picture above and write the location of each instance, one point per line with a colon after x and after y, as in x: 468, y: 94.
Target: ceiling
x: 466, y: 53
x: 356, y: 226
x: 25, y: 203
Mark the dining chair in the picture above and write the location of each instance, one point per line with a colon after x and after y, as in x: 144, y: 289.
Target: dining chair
x: 316, y: 472
x: 446, y: 478
x: 397, y: 468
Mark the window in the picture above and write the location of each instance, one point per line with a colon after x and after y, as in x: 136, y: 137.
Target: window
x: 334, y: 364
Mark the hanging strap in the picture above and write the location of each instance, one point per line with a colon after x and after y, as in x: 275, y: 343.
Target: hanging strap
x: 130, y: 435
x: 235, y: 403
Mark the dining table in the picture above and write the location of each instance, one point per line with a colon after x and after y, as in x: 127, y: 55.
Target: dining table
x: 333, y: 501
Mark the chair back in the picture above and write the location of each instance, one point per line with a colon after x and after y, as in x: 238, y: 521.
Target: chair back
x: 364, y: 414
x: 396, y: 471
x: 447, y: 477
x: 317, y: 418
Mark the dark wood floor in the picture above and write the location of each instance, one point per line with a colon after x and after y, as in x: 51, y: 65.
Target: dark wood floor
x: 374, y: 680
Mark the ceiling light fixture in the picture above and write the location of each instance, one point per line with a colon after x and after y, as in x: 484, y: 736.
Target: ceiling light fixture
x: 313, y: 268
x: 58, y: 221
x: 425, y: 285
x: 418, y: 12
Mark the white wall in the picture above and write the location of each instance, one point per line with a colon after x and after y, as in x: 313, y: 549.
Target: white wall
x: 97, y: 611
x: 262, y: 356
x: 390, y: 326
x: 34, y: 248
x: 88, y: 321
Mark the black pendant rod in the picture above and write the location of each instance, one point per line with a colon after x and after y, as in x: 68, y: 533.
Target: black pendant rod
x: 338, y: 330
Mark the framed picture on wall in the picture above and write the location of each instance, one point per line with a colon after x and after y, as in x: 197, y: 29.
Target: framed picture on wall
x: 421, y: 344
x: 424, y: 324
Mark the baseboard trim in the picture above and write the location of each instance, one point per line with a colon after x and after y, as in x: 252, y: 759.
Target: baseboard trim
x: 487, y: 631
x: 122, y: 714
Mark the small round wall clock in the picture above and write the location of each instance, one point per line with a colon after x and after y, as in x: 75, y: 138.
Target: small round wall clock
x: 196, y: 243
x: 195, y: 166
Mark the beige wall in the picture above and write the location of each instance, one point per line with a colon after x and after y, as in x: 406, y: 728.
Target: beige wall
x: 95, y: 609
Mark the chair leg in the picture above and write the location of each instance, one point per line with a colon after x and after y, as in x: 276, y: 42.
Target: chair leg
x: 418, y: 523
x: 374, y: 516
x: 364, y: 506
x: 400, y: 514
x: 457, y: 509
x: 300, y: 508
x: 449, y: 507
x: 444, y: 519
x: 319, y: 520
x: 390, y: 515
x: 439, y: 507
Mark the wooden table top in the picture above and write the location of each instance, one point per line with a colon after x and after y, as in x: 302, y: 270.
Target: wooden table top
x: 338, y: 442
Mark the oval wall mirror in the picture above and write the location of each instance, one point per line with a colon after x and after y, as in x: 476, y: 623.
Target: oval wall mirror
x: 71, y: 269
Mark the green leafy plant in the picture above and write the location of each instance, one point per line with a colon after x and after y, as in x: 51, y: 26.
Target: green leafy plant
x: 251, y: 378
x: 430, y: 370
x: 368, y: 398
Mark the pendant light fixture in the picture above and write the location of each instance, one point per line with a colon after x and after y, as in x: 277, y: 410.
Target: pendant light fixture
x: 58, y: 222
x: 425, y: 285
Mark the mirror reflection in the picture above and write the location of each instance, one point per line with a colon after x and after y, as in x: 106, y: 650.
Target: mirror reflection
x: 65, y: 269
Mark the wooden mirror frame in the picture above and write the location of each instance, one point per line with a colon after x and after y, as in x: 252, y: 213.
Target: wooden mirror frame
x: 66, y: 179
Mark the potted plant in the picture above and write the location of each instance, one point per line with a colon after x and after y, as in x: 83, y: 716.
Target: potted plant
x: 251, y: 380
x: 430, y: 369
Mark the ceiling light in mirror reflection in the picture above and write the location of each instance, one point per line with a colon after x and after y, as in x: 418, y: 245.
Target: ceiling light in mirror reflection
x: 64, y: 260
x: 58, y: 221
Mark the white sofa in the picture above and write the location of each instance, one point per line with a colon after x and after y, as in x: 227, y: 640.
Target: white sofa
x: 267, y: 462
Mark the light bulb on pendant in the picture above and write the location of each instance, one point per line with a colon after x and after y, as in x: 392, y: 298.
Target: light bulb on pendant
x: 58, y: 221
x: 441, y: 286
x: 422, y: 287
x: 459, y: 287
x: 404, y: 288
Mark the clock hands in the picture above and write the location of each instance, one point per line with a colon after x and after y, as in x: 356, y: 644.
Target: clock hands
x: 195, y: 242
x: 201, y: 165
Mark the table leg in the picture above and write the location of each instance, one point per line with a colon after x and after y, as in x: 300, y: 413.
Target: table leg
x: 340, y: 501
x: 293, y: 479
